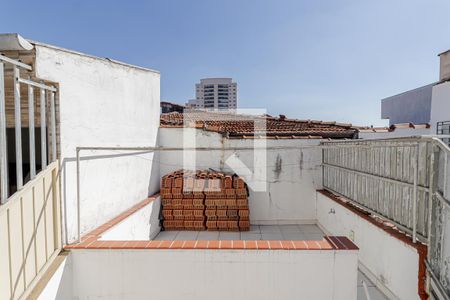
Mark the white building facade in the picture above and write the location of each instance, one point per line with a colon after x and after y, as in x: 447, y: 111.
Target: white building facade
x: 216, y: 94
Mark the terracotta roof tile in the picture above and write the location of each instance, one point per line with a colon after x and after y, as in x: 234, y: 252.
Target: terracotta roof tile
x: 243, y: 126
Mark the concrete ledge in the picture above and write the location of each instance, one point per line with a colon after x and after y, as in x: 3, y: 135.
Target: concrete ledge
x: 396, y: 264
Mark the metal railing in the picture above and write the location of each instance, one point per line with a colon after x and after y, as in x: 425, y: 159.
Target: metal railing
x: 44, y: 90
x: 404, y: 181
x: 438, y: 263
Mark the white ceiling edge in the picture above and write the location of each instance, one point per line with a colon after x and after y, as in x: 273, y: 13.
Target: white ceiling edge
x: 14, y: 42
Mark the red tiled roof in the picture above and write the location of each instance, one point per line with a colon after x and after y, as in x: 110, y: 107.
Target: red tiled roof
x: 243, y: 126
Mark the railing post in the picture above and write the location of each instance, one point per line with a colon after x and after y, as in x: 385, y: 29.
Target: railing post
x: 31, y: 132
x: 415, y: 179
x: 43, y: 131
x: 430, y: 206
x: 78, y: 197
x: 53, y: 124
x: 3, y: 149
x: 18, y: 128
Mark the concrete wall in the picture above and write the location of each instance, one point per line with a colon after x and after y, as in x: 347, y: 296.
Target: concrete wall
x: 59, y: 285
x: 102, y: 103
x: 142, y: 225
x: 413, y: 106
x: 440, y: 107
x: 398, y: 132
x: 390, y: 263
x: 292, y: 175
x: 208, y: 274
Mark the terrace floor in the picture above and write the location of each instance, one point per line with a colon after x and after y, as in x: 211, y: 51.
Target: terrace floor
x: 374, y: 292
x: 257, y: 232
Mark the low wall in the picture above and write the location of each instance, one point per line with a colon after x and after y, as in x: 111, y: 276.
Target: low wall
x: 141, y: 225
x: 209, y: 274
x: 392, y: 264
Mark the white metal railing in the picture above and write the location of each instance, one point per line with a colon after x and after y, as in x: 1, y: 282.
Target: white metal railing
x: 30, y: 234
x: 43, y: 91
x: 404, y: 181
x: 438, y: 260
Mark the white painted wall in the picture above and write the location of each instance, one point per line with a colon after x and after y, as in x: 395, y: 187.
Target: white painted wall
x: 211, y: 274
x: 398, y: 132
x: 102, y: 103
x: 440, y: 104
x: 291, y: 186
x: 59, y: 287
x: 393, y: 265
x: 142, y: 225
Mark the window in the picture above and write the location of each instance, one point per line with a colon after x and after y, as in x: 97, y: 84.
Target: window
x: 444, y: 128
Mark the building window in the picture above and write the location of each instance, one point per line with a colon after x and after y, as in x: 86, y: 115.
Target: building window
x: 443, y: 128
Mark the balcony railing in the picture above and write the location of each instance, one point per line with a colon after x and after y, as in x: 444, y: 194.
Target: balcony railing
x: 47, y: 145
x: 30, y: 234
x: 404, y: 181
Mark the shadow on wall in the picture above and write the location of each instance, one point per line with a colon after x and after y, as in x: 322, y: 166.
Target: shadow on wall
x: 154, y: 219
x: 70, y: 163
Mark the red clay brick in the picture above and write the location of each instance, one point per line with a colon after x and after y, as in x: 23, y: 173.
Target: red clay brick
x: 244, y: 213
x: 242, y: 203
x: 210, y: 212
x: 233, y: 225
x: 220, y: 202
x: 211, y: 224
x: 221, y: 213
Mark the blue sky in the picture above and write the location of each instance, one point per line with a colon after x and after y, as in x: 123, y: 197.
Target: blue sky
x: 328, y: 60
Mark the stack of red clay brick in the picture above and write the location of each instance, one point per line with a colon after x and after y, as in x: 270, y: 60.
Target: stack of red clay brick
x: 204, y: 200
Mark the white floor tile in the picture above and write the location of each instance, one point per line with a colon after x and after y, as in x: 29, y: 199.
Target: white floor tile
x: 295, y: 236
x: 223, y: 235
x: 270, y: 229
x: 272, y: 236
x: 254, y: 229
x: 313, y: 236
x: 208, y: 235
x: 248, y: 236
x: 166, y: 235
x: 289, y: 228
x: 310, y: 228
x: 187, y: 235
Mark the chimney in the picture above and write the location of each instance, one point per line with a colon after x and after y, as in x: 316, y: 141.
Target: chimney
x: 444, y: 72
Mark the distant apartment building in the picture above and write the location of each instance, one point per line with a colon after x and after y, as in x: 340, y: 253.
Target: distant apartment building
x: 215, y: 94
x: 412, y: 106
x: 424, y: 110
x: 192, y: 104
